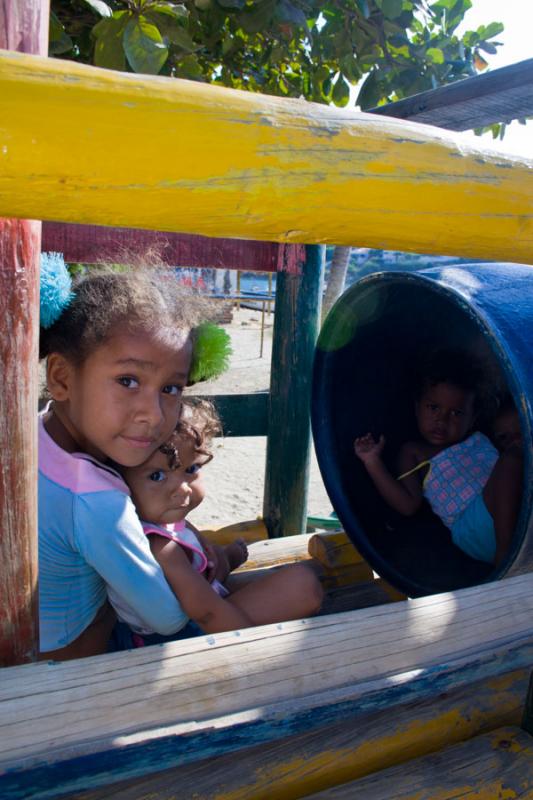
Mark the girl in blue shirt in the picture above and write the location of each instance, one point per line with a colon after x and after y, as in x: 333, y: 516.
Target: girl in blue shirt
x: 118, y: 352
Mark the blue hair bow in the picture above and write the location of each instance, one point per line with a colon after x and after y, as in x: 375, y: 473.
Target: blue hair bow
x: 56, y: 288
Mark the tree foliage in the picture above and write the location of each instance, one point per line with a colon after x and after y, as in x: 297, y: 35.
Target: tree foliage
x: 292, y: 48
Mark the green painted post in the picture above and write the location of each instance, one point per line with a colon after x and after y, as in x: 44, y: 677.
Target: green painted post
x: 296, y: 326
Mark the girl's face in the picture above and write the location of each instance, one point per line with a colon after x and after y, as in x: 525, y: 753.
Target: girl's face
x: 445, y: 414
x: 163, y: 495
x: 124, y: 400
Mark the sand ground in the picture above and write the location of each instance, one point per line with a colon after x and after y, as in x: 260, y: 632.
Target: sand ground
x: 235, y: 478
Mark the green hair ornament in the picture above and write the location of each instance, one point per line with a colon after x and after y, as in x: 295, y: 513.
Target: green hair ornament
x: 211, y: 353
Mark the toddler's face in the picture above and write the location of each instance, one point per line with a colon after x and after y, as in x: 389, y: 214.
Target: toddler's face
x: 163, y: 495
x: 506, y: 430
x: 445, y: 414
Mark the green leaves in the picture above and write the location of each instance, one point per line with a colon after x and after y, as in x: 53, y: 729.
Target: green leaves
x: 391, y: 8
x: 144, y: 46
x: 341, y: 92
x: 232, y: 3
x: 310, y: 48
x: 290, y: 13
x: 108, y: 51
x: 435, y: 55
x: 370, y: 92
x: 100, y: 7
x: 59, y: 40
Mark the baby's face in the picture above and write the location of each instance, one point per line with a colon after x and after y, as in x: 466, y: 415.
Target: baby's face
x: 163, y: 495
x: 445, y: 414
x: 506, y: 430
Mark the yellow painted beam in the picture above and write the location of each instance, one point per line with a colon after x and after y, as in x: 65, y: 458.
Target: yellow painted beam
x: 79, y: 144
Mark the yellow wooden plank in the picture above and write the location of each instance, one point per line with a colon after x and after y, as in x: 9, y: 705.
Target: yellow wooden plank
x: 80, y: 144
x: 496, y: 765
x: 333, y: 549
x: 250, y: 672
x: 297, y: 766
x: 253, y: 530
x: 276, y: 552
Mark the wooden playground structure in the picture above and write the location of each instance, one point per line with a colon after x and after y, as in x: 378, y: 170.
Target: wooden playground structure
x: 429, y: 693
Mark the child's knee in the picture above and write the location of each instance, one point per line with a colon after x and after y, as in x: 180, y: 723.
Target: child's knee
x: 307, y: 586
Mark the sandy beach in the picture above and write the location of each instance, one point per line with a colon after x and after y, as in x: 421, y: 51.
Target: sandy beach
x: 235, y: 478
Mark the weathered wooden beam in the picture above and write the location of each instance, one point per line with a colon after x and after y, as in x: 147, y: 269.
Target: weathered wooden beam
x: 497, y: 764
x: 92, y: 244
x: 67, y: 724
x: 333, y: 549
x: 23, y: 26
x: 247, y: 166
x: 296, y: 326
x: 275, y: 552
x: 352, y: 747
x: 500, y: 95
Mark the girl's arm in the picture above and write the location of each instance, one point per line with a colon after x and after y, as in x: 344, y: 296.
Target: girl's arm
x: 110, y: 538
x: 403, y: 496
x: 216, y: 561
x: 196, y: 596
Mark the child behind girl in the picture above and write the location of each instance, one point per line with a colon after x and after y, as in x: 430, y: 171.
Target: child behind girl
x: 473, y: 489
x: 118, y: 347
x: 165, y: 489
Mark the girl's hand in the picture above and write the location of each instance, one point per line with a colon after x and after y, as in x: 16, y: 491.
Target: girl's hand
x: 367, y: 448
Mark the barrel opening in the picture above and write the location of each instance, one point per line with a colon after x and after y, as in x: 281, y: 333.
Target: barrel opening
x: 363, y: 382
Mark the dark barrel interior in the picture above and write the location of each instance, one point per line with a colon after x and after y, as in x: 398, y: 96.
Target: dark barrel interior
x: 363, y: 382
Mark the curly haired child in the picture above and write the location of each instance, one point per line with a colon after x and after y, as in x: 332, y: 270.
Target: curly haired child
x: 165, y: 489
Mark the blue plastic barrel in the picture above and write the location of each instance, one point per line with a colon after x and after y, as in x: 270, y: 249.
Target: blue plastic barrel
x: 362, y: 383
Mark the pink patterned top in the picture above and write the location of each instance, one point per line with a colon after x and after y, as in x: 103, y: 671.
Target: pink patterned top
x: 457, y: 475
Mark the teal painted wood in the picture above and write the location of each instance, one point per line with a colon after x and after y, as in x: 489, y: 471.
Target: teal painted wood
x: 296, y: 324
x: 242, y: 414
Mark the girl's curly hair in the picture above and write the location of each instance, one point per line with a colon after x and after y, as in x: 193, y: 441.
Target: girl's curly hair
x: 147, y: 299
x: 198, y: 421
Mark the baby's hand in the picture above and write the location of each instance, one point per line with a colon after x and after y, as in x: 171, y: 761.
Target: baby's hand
x: 367, y: 449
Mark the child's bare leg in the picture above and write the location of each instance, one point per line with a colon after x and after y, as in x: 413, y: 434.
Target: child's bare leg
x: 502, y: 495
x: 291, y: 592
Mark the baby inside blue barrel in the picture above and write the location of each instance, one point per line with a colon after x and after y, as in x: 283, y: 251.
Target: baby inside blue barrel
x: 427, y: 376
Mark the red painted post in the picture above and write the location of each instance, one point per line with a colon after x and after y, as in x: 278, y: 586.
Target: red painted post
x: 23, y: 27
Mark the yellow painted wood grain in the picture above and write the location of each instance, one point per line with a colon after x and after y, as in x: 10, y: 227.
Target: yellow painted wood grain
x: 300, y: 766
x: 80, y: 144
x: 496, y: 765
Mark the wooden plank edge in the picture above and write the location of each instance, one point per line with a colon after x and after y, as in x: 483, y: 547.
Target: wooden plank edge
x: 117, y: 758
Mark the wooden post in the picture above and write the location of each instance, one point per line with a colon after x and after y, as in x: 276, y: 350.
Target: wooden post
x: 296, y: 322
x: 262, y: 329
x: 23, y: 27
